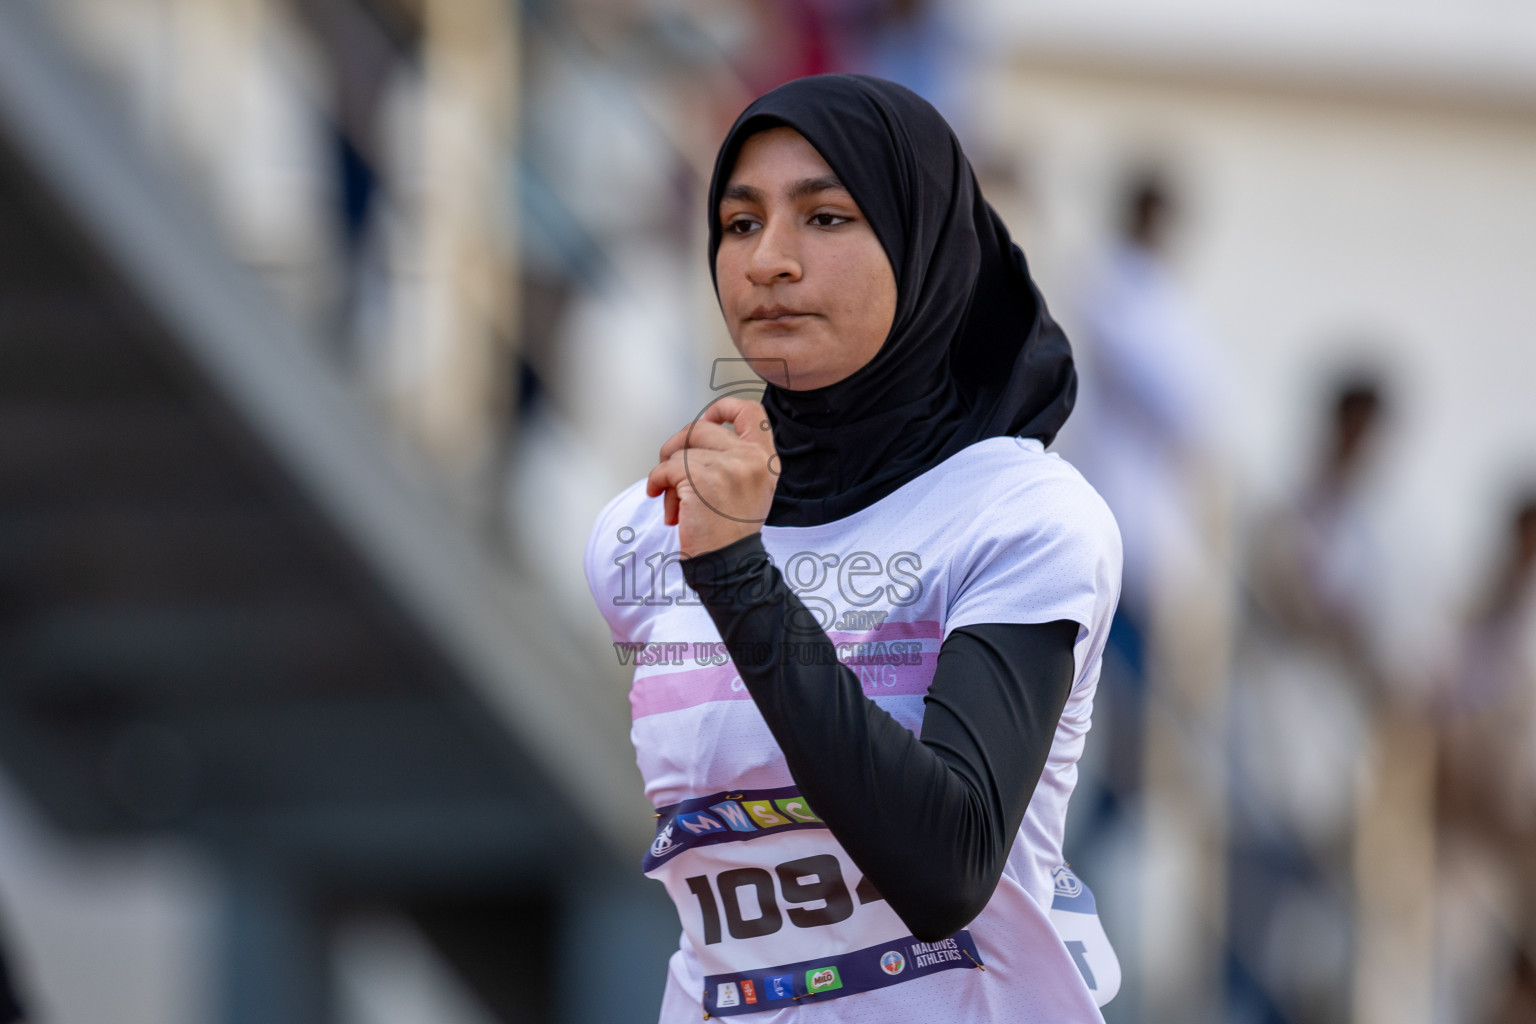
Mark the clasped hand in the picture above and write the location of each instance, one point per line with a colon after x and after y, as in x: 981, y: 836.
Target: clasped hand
x: 718, y: 476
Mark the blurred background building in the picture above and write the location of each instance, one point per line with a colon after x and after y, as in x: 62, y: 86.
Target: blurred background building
x: 327, y: 326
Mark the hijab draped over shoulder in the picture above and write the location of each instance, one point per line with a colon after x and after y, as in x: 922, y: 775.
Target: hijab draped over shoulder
x: 972, y: 352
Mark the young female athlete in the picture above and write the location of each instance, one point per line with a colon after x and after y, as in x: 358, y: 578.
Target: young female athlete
x: 880, y: 550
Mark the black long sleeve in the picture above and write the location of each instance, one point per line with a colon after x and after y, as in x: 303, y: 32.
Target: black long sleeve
x: 930, y: 821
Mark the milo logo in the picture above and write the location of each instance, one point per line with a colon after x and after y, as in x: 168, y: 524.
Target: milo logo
x: 822, y: 979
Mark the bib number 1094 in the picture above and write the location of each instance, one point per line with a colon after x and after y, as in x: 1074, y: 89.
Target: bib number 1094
x: 806, y: 880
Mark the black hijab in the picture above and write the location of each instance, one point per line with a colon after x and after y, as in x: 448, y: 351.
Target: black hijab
x: 972, y: 352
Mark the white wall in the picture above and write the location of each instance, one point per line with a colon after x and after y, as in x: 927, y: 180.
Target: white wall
x: 1476, y: 47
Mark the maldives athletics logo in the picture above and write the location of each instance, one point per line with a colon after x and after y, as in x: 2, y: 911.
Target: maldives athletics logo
x: 892, y: 962
x: 663, y: 842
x: 1066, y: 883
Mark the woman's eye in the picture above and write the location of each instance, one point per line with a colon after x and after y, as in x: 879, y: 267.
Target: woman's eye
x: 827, y: 220
x: 740, y: 227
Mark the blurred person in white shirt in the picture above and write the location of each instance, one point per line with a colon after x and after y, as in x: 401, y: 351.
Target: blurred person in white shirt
x: 1150, y: 402
x: 1304, y: 717
x: 1486, y: 798
x: 1148, y: 439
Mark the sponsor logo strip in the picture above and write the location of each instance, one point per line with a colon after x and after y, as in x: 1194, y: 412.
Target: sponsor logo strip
x: 727, y: 818
x: 891, y: 963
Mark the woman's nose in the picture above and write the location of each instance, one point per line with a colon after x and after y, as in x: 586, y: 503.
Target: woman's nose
x: 774, y: 257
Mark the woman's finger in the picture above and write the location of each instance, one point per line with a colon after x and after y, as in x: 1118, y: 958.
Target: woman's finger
x: 663, y: 481
x: 699, y: 434
x: 673, y: 505
x: 748, y: 419
x: 670, y: 476
x: 665, y: 475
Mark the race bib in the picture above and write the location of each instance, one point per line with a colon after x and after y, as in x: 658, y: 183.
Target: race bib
x: 776, y: 911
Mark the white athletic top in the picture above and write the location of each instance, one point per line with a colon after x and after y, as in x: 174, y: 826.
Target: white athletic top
x: 1001, y: 532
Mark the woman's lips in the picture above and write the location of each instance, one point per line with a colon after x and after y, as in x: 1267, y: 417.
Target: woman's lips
x: 774, y: 315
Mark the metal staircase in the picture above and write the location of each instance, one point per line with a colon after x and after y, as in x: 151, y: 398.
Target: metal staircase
x: 226, y: 612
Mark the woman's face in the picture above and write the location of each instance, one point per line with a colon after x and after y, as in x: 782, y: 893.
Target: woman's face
x: 805, y: 285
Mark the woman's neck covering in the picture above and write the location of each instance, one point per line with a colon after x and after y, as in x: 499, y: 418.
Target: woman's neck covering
x: 972, y: 352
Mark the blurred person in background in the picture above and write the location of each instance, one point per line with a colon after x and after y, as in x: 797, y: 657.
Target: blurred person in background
x: 1487, y: 796
x: 366, y: 44
x: 1150, y: 385
x: 1147, y: 439
x: 911, y: 42
x: 1143, y: 430
x: 1302, y: 726
x: 1517, y: 1003
x: 1317, y: 561
x: 797, y: 32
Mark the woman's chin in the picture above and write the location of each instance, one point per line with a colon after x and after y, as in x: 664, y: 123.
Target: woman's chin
x: 784, y: 363
x: 792, y: 376
x: 809, y: 356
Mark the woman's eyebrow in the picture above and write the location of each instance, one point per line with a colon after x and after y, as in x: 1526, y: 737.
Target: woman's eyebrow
x: 811, y: 186
x: 740, y: 193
